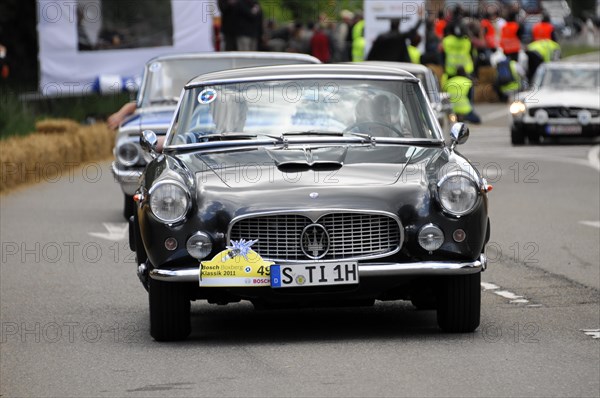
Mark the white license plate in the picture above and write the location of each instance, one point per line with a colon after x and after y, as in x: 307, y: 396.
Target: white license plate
x: 563, y: 129
x: 316, y: 274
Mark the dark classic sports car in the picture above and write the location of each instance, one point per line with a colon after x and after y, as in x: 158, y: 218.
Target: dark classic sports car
x: 309, y: 185
x: 163, y: 80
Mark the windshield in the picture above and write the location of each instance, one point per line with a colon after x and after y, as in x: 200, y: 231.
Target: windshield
x: 575, y: 78
x: 165, y: 79
x: 391, y: 109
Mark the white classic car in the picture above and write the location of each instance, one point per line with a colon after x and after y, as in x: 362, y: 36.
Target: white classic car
x: 563, y: 102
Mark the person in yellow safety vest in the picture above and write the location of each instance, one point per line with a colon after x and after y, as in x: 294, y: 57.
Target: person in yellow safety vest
x: 547, y: 48
x: 456, y: 51
x: 541, y: 51
x: 413, y: 51
x: 358, y: 41
x: 460, y: 93
x: 505, y: 90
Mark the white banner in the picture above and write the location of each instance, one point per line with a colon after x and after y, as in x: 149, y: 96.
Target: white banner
x: 377, y: 14
x: 82, y: 40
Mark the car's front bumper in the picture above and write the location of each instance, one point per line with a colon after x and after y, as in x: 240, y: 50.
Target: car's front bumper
x: 129, y: 179
x: 381, y: 270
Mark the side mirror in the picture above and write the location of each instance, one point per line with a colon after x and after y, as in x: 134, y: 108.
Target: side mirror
x: 149, y: 142
x: 459, y: 134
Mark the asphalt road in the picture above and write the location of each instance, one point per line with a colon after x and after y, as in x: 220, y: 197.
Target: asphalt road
x: 74, y: 318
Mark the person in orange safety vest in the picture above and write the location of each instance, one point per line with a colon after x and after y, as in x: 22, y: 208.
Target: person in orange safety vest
x: 510, y: 37
x: 543, y: 30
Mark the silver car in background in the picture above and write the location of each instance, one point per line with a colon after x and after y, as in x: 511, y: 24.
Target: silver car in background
x: 162, y: 82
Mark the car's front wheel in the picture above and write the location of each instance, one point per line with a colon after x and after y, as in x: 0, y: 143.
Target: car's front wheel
x: 516, y: 136
x: 169, y: 311
x: 459, y: 303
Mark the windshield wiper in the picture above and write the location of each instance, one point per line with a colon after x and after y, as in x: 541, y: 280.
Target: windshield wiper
x: 313, y: 132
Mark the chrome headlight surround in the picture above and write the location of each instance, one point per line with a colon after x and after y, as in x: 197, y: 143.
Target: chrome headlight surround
x: 128, y: 153
x: 457, y: 194
x: 179, y: 196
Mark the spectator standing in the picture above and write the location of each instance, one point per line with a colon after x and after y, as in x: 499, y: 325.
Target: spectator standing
x: 358, y: 38
x: 543, y: 30
x: 320, y: 45
x: 440, y: 25
x: 249, y: 28
x: 413, y: 50
x: 456, y: 52
x: 510, y: 37
x: 391, y: 46
x: 229, y: 23
x: 489, y: 32
x: 341, y: 35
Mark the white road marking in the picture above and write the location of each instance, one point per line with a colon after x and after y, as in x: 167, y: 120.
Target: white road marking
x: 116, y: 231
x: 593, y: 333
x: 514, y: 298
x: 595, y: 224
x: 489, y: 286
x: 594, y: 157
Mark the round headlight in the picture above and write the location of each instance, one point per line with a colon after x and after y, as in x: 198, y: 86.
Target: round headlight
x: 128, y: 154
x: 517, y: 107
x: 431, y: 237
x: 199, y: 245
x: 457, y: 194
x: 169, y: 201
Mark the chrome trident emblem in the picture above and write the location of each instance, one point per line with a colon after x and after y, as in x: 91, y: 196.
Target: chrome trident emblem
x: 314, y: 241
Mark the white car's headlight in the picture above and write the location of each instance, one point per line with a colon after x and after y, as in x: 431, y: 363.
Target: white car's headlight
x: 169, y: 201
x: 517, y: 108
x: 457, y: 194
x: 128, y: 153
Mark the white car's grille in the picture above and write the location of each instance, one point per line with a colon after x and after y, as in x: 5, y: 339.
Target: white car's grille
x: 555, y: 112
x: 349, y: 236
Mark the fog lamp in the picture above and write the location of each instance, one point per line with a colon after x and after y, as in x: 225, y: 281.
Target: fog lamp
x: 431, y: 237
x: 199, y: 245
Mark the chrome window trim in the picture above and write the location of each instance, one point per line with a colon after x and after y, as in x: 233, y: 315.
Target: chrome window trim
x: 302, y: 76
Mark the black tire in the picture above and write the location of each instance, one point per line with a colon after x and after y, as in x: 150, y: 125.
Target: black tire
x: 128, y: 206
x: 169, y: 311
x: 533, y: 138
x: 459, y: 303
x: 516, y: 136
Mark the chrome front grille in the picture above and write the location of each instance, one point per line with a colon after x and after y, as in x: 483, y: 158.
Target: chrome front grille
x: 351, y: 235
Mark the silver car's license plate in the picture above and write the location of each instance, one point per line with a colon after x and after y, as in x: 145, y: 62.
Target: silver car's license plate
x: 564, y: 129
x: 316, y: 274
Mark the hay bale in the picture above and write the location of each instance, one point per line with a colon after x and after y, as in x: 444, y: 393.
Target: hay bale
x: 53, y: 126
x: 486, y: 75
x: 485, y: 93
x: 45, y: 157
x: 97, y: 142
